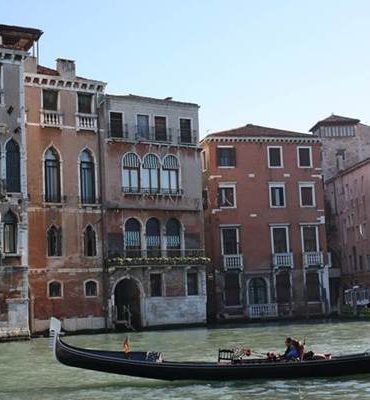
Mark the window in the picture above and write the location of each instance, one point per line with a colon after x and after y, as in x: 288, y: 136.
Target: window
x: 257, y: 291
x: 304, y: 157
x: 143, y: 126
x: 309, y: 238
x: 150, y: 176
x: 131, y: 173
x: 226, y: 157
x: 203, y: 156
x: 226, y: 196
x: 160, y: 128
x: 50, y: 100
x: 307, y: 195
x: 192, y: 283
x: 283, y: 287
x: 313, y: 286
x: 275, y: 159
x: 170, y: 175
x: 85, y: 103
x: 173, y: 240
x: 13, y: 172
x: 91, y: 289
x: 156, y: 285
x: 116, y: 124
x: 132, y: 238
x: 280, y: 242
x: 277, y: 195
x: 230, y: 241
x: 54, y: 238
x: 10, y: 233
x: 89, y: 242
x: 55, y: 289
x: 87, y: 177
x: 232, y: 289
x: 52, y: 177
x: 185, y: 130
x: 153, y: 238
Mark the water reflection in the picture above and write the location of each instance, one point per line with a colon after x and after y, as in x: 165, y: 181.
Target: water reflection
x: 28, y: 370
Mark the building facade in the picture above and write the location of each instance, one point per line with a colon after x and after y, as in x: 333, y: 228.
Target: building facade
x: 65, y: 208
x: 15, y: 42
x: 153, y: 232
x: 265, y: 224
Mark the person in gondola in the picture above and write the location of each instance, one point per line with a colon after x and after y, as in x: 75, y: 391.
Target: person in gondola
x: 294, y: 350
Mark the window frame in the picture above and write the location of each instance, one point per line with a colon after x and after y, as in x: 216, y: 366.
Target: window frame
x: 226, y: 186
x: 97, y: 288
x: 287, y: 238
x: 162, y: 294
x: 85, y: 239
x: 61, y: 290
x: 59, y: 241
x: 92, y: 108
x: 14, y: 225
x: 57, y: 103
x: 307, y: 185
x: 89, y: 169
x: 197, y: 282
x: 316, y: 234
x: 217, y: 158
x: 277, y: 185
x: 122, y: 121
x: 299, y: 158
x: 190, y: 133
x: 237, y: 229
x: 281, y: 157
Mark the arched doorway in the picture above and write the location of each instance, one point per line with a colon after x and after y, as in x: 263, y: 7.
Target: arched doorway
x: 127, y: 303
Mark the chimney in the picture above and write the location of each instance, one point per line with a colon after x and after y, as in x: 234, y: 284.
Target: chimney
x: 66, y: 68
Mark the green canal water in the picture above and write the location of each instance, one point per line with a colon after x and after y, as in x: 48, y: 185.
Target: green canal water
x: 28, y: 370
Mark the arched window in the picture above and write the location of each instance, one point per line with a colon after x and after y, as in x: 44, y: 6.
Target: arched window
x: 131, y: 173
x: 132, y: 238
x: 55, y: 289
x: 151, y: 168
x: 10, y: 233
x: 91, y: 289
x: 87, y: 178
x: 52, y: 176
x: 170, y: 175
x: 173, y: 240
x: 13, y: 172
x: 153, y: 238
x: 257, y: 291
x: 54, y: 241
x: 89, y: 242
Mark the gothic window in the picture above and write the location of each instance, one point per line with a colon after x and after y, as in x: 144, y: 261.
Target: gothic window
x: 131, y: 173
x: 257, y: 291
x: 91, y: 289
x: 153, y: 238
x: 52, y: 176
x: 132, y: 238
x: 150, y: 179
x: 87, y: 177
x: 54, y: 241
x: 10, y: 232
x: 173, y: 237
x: 13, y: 172
x: 89, y: 242
x: 170, y: 175
x: 55, y: 289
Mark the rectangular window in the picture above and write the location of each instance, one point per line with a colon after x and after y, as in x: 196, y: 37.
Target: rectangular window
x: 226, y: 196
x: 232, y: 289
x: 143, y: 125
x: 226, y: 157
x: 275, y: 159
x: 84, y: 103
x: 116, y: 124
x: 313, y: 286
x: 307, y: 194
x: 192, y: 283
x: 277, y: 195
x: 50, y: 100
x: 230, y: 241
x: 280, y: 239
x: 160, y: 128
x: 304, y: 157
x: 185, y: 130
x: 309, y: 237
x: 156, y: 285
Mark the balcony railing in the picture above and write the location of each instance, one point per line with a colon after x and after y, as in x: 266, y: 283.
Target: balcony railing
x: 116, y: 133
x: 263, y: 310
x: 232, y: 261
x: 358, y: 296
x: 159, y: 191
x: 153, y: 134
x: 313, y: 259
x: 282, y: 260
x: 51, y: 118
x: 87, y: 122
x: 187, y: 137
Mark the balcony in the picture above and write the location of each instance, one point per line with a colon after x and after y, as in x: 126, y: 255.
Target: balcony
x: 52, y: 119
x: 187, y: 137
x: 282, y: 260
x: 232, y: 261
x: 87, y: 122
x: 313, y: 259
x: 269, y: 310
x: 153, y: 134
x: 134, y: 190
x: 119, y: 133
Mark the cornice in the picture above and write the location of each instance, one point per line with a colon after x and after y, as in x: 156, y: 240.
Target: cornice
x: 264, y: 139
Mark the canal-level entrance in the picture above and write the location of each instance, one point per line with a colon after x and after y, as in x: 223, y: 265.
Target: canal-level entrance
x: 127, y: 304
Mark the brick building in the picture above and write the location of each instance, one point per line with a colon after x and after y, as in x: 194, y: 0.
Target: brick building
x: 15, y: 42
x: 153, y: 232
x: 65, y: 211
x: 264, y: 220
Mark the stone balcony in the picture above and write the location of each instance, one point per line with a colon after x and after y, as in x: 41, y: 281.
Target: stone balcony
x: 232, y: 261
x: 269, y: 310
x: 282, y: 260
x: 87, y: 122
x: 51, y: 119
x: 313, y: 259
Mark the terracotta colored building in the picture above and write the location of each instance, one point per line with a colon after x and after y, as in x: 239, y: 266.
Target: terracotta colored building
x: 15, y: 42
x: 153, y: 232
x: 265, y: 224
x: 65, y: 210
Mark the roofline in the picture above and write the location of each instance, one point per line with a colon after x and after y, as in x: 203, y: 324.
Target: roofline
x: 260, y: 138
x: 134, y: 97
x: 349, y: 121
x: 348, y: 170
x: 36, y: 33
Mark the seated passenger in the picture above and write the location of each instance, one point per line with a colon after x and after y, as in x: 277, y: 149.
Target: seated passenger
x: 294, y: 349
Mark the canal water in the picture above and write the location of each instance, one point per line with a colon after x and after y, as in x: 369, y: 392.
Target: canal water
x: 29, y: 372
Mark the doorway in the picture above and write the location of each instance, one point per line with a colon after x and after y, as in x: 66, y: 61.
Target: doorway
x: 127, y: 304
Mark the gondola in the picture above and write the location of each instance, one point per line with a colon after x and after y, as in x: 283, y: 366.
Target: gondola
x: 151, y: 365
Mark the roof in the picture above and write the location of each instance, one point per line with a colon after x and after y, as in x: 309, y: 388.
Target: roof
x: 259, y: 131
x: 42, y: 70
x: 349, y: 169
x: 335, y: 120
x: 18, y: 37
x: 167, y: 100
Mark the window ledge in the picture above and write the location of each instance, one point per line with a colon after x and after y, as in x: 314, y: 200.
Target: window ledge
x: 12, y: 255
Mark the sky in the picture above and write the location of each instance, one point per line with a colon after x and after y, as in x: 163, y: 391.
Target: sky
x: 279, y: 63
